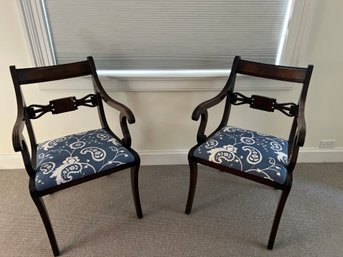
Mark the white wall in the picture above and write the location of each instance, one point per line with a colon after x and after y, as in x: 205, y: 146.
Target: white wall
x: 163, y: 118
x: 12, y: 51
x: 324, y: 50
x: 324, y: 105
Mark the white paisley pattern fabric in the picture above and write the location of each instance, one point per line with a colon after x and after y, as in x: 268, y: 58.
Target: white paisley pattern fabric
x: 76, y: 156
x: 247, y: 151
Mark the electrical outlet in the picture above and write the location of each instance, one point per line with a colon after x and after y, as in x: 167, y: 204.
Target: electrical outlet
x: 327, y: 143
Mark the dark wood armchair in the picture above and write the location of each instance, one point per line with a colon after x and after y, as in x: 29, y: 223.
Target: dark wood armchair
x: 256, y: 156
x: 72, y: 159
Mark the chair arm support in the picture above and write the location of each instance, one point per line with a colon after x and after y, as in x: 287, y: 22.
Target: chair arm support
x: 297, y: 140
x: 125, y: 130
x: 201, y: 137
x: 301, y: 130
x: 20, y: 145
x: 17, y: 133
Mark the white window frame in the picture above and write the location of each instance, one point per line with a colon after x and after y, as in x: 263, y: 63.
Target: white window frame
x: 42, y: 54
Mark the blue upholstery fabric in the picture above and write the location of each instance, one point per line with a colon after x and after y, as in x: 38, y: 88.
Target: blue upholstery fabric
x: 247, y: 151
x: 76, y: 156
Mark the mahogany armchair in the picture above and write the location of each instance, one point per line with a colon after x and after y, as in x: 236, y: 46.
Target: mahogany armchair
x: 72, y: 159
x: 253, y: 155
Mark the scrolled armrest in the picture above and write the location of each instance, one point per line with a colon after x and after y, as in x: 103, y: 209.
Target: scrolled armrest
x: 126, y: 116
x: 201, y: 111
x: 124, y: 110
x: 204, y: 106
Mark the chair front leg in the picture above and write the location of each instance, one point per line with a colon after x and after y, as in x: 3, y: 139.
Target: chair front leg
x: 135, y: 191
x: 193, y: 167
x: 46, y: 220
x: 277, y: 218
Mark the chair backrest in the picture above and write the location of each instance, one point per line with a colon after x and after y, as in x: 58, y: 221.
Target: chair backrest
x: 300, y: 76
x: 26, y: 76
x: 52, y: 73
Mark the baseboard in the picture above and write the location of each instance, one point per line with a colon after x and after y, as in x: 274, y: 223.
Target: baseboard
x: 306, y: 154
x: 163, y: 157
x: 172, y: 157
x: 316, y: 154
x: 10, y: 161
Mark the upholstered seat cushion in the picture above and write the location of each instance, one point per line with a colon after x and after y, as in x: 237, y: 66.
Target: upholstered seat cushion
x: 76, y: 156
x: 247, y: 151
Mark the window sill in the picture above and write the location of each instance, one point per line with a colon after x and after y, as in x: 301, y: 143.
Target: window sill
x: 163, y: 74
x: 167, y: 80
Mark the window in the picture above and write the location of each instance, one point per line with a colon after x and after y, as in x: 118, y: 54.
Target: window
x: 161, y: 37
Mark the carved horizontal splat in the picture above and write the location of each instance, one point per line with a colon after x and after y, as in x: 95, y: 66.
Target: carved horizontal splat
x: 264, y: 103
x: 290, y: 109
x: 61, y: 105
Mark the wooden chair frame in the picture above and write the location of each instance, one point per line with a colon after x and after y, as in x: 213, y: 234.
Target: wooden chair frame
x: 296, y: 137
x: 26, y: 113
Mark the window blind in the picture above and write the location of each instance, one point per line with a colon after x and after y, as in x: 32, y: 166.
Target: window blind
x: 165, y: 34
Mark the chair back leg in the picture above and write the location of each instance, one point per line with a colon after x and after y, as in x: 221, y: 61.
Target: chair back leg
x: 135, y: 191
x: 47, y: 224
x: 193, y: 167
x: 277, y: 218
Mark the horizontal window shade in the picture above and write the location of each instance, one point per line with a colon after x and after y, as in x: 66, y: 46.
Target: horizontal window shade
x: 165, y: 34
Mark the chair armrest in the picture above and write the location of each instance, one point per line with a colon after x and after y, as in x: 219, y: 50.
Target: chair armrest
x: 126, y: 116
x: 125, y: 112
x: 201, y: 111
x: 204, y: 106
